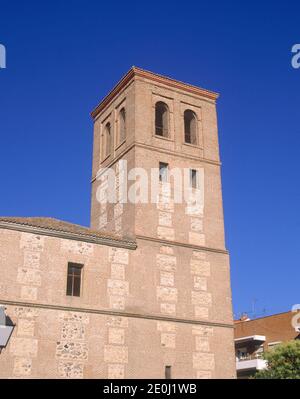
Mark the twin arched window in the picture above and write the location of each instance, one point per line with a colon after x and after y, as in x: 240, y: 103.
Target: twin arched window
x: 190, y: 127
x: 161, y: 119
x: 162, y: 123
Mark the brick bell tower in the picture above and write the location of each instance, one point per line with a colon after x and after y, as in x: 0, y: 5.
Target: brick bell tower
x: 154, y: 122
x: 151, y: 121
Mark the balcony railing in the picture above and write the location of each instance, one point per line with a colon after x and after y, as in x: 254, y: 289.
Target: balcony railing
x: 248, y: 356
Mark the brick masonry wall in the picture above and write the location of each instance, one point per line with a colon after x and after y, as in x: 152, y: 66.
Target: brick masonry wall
x: 153, y: 281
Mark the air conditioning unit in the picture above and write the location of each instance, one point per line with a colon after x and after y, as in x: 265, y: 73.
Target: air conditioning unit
x: 5, y: 330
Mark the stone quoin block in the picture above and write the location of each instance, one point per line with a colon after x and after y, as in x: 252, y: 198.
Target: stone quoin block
x: 203, y: 361
x: 22, y: 367
x: 166, y: 233
x: 165, y: 219
x: 116, y: 371
x: 26, y: 327
x: 168, y: 340
x: 68, y: 369
x: 118, y: 255
x: 116, y: 336
x: 29, y: 293
x: 166, y: 294
x: 72, y: 350
x: 29, y: 276
x: 201, y: 298
x: 115, y: 354
x: 168, y: 308
x: 166, y: 262
x: 200, y: 268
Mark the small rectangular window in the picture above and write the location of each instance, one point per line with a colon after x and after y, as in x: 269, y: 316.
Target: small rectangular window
x: 163, y: 172
x: 74, y: 279
x: 168, y: 372
x: 193, y: 178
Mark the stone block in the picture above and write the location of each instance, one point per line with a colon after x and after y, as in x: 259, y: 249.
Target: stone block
x: 202, y: 344
x: 201, y: 298
x: 118, y: 255
x: 117, y: 287
x: 200, y: 283
x: 168, y: 308
x: 165, y: 249
x: 165, y: 219
x: 196, y: 238
x: 200, y: 268
x: 115, y: 354
x: 204, y: 331
x: 167, y: 279
x: 166, y: 233
x: 203, y: 361
x: 117, y: 302
x: 201, y: 312
x: 68, y: 369
x: 31, y: 259
x: 71, y: 350
x: 22, y: 367
x: 116, y: 371
x: 166, y: 262
x: 77, y: 247
x: 72, y: 331
x: 29, y: 276
x: 117, y: 271
x: 117, y: 321
x: 29, y: 293
x: 166, y: 294
x: 116, y: 336
x: 197, y: 224
x: 203, y: 375
x: 26, y: 327
x: 168, y: 340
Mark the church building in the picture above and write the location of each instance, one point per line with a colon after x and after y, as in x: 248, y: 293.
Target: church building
x: 144, y: 292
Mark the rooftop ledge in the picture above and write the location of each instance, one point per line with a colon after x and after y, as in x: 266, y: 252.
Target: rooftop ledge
x: 138, y: 72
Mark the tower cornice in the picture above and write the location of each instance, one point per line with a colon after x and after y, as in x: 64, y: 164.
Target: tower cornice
x: 135, y: 72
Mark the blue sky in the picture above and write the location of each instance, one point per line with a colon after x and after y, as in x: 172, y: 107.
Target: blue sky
x: 63, y: 56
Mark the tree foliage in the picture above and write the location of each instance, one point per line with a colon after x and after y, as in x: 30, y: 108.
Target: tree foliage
x: 283, y: 362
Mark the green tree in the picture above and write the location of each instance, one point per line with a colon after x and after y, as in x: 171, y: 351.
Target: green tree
x: 283, y: 362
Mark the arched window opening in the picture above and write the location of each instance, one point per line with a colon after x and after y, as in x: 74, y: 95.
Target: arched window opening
x: 161, y: 119
x: 107, y: 139
x: 190, y: 127
x: 122, y: 126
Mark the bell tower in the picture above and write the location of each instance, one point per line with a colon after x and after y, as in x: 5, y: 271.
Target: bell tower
x: 153, y: 122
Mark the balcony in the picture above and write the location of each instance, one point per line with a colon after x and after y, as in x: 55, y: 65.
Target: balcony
x: 250, y: 364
